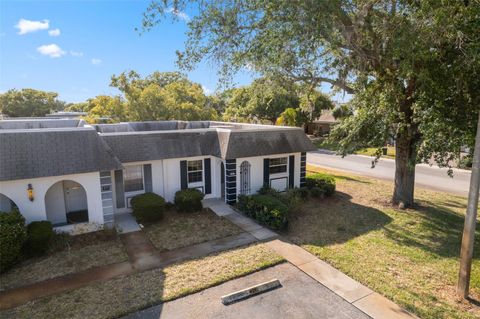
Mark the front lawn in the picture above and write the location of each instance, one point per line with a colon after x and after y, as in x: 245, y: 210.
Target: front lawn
x: 371, y: 151
x: 409, y: 256
x: 178, y: 230
x: 70, y: 255
x: 124, y: 295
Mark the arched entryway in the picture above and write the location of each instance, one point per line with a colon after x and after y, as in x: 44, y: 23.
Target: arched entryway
x: 66, y: 203
x: 245, y: 178
x: 6, y: 204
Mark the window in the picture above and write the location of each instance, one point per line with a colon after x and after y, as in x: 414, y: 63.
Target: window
x: 195, y: 171
x: 133, y: 178
x: 278, y: 165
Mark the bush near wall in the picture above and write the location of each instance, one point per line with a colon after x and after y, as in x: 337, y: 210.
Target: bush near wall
x: 319, y: 183
x: 39, y: 237
x: 148, y: 207
x: 188, y: 200
x: 266, y: 209
x: 12, y: 237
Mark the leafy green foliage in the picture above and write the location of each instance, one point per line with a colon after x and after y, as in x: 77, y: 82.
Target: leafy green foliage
x: 266, y: 209
x: 188, y: 200
x: 162, y: 96
x: 29, y: 102
x: 320, y: 183
x: 148, y: 207
x: 104, y: 106
x: 12, y: 236
x: 39, y: 237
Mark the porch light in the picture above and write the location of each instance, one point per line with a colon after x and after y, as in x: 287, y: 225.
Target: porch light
x: 30, y: 192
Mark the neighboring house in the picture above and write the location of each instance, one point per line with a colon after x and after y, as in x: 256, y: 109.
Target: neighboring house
x: 322, y: 125
x: 74, y: 174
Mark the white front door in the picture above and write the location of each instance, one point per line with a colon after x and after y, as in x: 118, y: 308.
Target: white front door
x: 75, y: 197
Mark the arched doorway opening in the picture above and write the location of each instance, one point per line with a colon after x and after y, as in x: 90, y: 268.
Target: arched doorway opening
x: 6, y: 204
x: 66, y: 203
x: 245, y: 178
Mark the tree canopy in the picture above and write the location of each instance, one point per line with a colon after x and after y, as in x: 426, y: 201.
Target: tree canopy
x: 29, y: 103
x: 411, y: 65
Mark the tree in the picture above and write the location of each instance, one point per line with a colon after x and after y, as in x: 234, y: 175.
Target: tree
x: 312, y: 103
x: 263, y: 100
x: 387, y: 52
x: 106, y: 107
x: 162, y: 96
x: 29, y: 102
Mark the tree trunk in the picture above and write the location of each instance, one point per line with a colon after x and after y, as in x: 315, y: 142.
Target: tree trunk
x: 405, y: 160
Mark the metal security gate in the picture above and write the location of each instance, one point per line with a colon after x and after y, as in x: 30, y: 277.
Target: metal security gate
x: 245, y: 178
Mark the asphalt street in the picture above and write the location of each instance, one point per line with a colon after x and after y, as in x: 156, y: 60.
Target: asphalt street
x: 426, y: 176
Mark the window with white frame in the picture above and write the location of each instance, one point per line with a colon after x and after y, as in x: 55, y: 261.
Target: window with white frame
x: 278, y: 165
x: 195, y: 171
x: 133, y: 178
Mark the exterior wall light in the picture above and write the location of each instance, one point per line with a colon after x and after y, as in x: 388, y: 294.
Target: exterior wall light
x: 30, y: 192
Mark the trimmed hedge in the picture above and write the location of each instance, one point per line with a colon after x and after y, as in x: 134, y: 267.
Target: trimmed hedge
x: 188, y: 200
x: 319, y: 183
x: 39, y: 237
x: 148, y: 207
x: 266, y: 209
x: 12, y: 236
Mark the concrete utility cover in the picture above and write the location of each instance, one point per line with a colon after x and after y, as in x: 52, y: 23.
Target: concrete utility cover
x: 299, y: 297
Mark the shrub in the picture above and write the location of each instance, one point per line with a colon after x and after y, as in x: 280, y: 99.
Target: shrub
x: 148, y: 207
x: 267, y: 190
x: 324, y: 182
x: 266, y: 209
x: 39, y: 237
x: 12, y: 236
x: 188, y: 200
x: 316, y: 192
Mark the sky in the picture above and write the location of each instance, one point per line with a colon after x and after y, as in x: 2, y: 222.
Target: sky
x: 74, y: 47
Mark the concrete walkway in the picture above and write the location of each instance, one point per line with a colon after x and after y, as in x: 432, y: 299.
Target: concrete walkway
x: 353, y: 292
x: 126, y: 223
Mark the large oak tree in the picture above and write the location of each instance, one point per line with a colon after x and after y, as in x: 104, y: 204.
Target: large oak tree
x: 411, y: 65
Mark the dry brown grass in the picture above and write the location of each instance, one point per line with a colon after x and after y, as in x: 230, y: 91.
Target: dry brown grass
x: 410, y: 256
x: 80, y: 256
x: 123, y: 295
x: 178, y: 230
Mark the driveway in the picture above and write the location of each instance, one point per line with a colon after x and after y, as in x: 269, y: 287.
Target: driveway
x: 425, y: 176
x: 299, y: 297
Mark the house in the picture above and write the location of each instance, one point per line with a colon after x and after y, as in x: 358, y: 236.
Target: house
x: 78, y: 175
x: 322, y: 125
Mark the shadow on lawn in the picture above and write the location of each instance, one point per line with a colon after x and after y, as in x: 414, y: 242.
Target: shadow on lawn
x: 433, y: 228
x: 333, y: 220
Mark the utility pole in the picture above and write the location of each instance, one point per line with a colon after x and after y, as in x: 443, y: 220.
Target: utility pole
x: 466, y: 253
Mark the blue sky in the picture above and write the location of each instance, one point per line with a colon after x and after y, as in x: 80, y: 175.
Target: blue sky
x: 83, y: 44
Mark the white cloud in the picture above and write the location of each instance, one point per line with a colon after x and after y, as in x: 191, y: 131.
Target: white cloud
x: 179, y: 14
x: 26, y: 26
x: 96, y: 61
x: 76, y: 54
x: 52, y: 50
x: 54, y: 32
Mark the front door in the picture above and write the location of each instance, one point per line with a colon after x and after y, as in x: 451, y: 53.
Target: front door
x: 75, y: 197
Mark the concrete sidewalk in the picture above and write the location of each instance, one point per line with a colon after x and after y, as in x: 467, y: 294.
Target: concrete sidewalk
x: 299, y: 296
x: 371, y: 303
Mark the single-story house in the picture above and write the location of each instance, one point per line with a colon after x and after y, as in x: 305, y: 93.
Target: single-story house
x: 322, y: 125
x: 72, y: 173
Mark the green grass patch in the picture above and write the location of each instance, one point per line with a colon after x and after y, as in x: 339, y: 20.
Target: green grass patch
x: 410, y: 256
x: 372, y: 151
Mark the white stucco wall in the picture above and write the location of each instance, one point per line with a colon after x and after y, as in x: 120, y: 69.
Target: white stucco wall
x: 55, y: 204
x: 36, y: 210
x: 256, y: 171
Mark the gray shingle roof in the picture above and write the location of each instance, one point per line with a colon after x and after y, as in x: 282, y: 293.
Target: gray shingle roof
x: 237, y: 144
x: 53, y: 152
x: 145, y: 146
